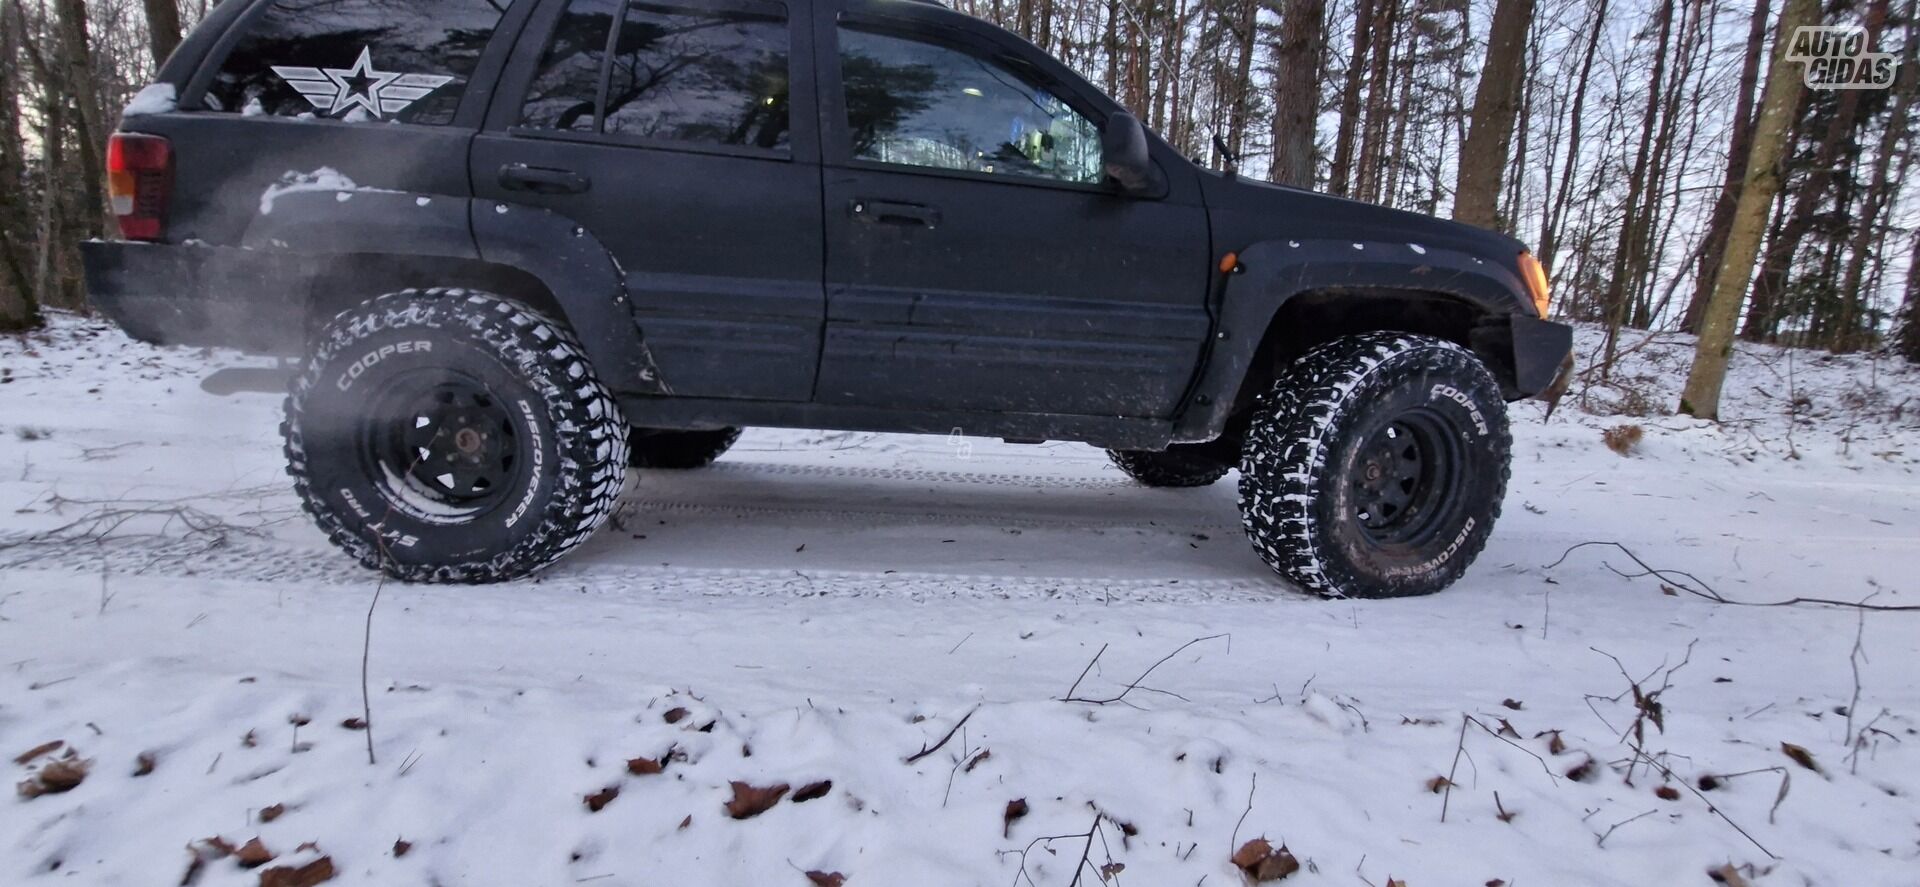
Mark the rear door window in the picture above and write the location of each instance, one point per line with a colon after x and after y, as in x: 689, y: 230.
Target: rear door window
x: 356, y: 60
x: 670, y: 74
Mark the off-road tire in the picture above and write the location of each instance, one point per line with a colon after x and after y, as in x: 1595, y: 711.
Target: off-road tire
x: 661, y: 448
x: 557, y: 442
x: 1315, y: 453
x: 1179, y: 465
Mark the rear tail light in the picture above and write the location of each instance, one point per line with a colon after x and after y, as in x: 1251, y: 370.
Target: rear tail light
x: 140, y: 181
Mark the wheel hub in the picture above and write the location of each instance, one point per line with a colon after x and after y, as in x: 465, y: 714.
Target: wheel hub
x: 452, y: 440
x: 1402, y: 477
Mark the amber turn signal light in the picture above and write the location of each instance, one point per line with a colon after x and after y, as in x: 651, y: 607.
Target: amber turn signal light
x: 1536, y: 277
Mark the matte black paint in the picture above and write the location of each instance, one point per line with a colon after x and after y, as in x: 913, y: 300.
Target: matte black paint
x: 716, y: 286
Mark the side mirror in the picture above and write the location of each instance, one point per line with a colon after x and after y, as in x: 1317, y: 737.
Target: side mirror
x: 1124, y: 156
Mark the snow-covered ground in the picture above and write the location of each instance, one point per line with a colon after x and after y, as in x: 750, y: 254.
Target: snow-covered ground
x: 821, y: 606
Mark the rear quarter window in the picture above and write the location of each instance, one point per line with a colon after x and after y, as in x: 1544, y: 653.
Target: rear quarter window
x: 356, y: 60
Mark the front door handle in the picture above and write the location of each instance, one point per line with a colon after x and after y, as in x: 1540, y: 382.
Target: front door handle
x: 542, y: 179
x: 887, y: 212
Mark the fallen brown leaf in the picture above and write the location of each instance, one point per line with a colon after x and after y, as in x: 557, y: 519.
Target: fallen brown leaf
x: 1112, y: 869
x: 749, y: 801
x: 826, y: 879
x: 1262, y: 862
x: 1728, y: 875
x: 1016, y: 808
x: 56, y: 777
x: 978, y: 759
x: 318, y: 871
x: 400, y: 847
x: 1667, y: 793
x: 1800, y: 756
x: 1437, y: 784
x: 601, y: 798
x: 253, y: 854
x: 271, y: 813
x: 813, y: 790
x: 686, y: 822
x: 248, y: 740
x: 644, y: 766
x: 1395, y: 882
x: 1514, y: 704
x: 144, y: 763
x: 39, y: 750
x: 676, y: 714
x: 354, y: 723
x: 1582, y: 771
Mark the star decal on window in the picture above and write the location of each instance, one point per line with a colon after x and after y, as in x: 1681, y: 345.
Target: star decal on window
x: 337, y: 91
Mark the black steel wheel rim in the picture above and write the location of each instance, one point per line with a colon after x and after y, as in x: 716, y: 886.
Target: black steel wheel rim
x: 1403, y: 478
x: 444, y: 438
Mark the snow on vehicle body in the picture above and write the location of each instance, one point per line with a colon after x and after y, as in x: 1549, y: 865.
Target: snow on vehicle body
x: 524, y: 226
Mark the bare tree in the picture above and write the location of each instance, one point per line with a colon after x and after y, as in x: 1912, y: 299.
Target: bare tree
x: 1701, y: 396
x: 1483, y: 158
x: 1296, y: 89
x: 163, y: 28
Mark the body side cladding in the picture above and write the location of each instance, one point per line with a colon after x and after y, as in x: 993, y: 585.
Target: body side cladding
x: 1272, y: 272
x: 577, y: 272
x: 585, y: 280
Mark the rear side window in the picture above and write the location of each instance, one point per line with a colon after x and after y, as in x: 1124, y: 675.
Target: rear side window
x: 356, y: 60
x: 666, y: 74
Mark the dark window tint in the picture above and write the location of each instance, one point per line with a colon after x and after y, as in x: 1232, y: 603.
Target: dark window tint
x: 404, y: 60
x: 921, y: 104
x: 674, y: 75
x: 563, y: 94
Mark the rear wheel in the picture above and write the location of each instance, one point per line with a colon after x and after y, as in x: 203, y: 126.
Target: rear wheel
x: 1381, y: 473
x: 662, y: 448
x: 1179, y: 465
x: 453, y: 436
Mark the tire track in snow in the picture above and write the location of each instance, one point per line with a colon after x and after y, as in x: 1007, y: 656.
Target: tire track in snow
x: 248, y: 561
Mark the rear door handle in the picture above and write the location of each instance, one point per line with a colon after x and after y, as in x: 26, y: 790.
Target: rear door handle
x: 542, y: 179
x: 887, y: 212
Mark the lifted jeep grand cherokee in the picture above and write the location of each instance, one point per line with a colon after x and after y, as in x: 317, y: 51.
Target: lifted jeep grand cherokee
x: 522, y: 245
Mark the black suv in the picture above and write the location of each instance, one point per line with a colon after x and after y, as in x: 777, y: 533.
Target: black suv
x: 524, y: 244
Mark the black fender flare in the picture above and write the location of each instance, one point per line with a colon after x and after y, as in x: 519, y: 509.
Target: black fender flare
x: 1271, y: 272
x: 578, y: 272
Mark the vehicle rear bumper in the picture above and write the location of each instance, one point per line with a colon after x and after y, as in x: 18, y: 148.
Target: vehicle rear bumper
x: 201, y: 295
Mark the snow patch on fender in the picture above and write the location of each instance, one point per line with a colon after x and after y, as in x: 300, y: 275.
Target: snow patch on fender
x: 154, y: 98
x: 324, y: 179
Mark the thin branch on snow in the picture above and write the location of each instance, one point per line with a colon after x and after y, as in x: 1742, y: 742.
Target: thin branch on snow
x: 1609, y: 833
x: 1135, y: 683
x: 1680, y: 580
x: 930, y: 749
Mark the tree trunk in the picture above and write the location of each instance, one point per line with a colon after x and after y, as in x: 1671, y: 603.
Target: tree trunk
x: 76, y: 73
x: 1338, y: 181
x: 1483, y: 158
x: 1742, y: 125
x: 18, y: 307
x: 1296, y: 90
x: 163, y: 28
x: 1701, y: 396
x: 1373, y: 126
x: 1906, y: 330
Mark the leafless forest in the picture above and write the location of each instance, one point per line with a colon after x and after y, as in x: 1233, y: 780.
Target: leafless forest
x: 1617, y: 137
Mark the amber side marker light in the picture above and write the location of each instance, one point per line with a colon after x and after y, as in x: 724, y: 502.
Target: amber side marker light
x: 1229, y: 262
x: 1536, y: 277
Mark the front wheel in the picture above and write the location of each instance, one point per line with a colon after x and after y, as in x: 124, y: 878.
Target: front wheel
x: 453, y: 436
x: 1383, y: 474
